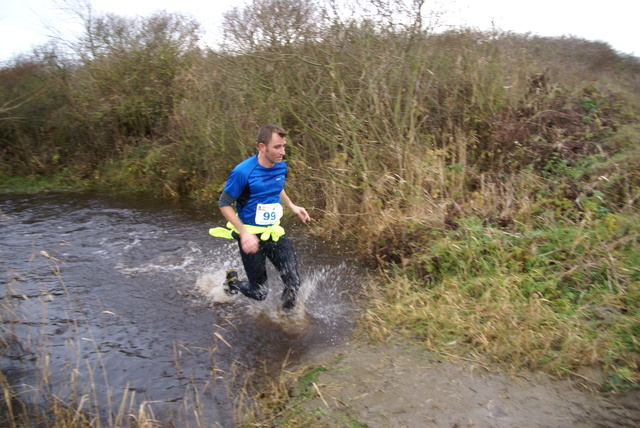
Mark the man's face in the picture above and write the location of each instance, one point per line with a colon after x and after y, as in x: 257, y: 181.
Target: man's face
x: 273, y: 152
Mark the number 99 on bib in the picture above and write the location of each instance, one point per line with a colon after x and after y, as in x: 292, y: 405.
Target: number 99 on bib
x: 267, y: 214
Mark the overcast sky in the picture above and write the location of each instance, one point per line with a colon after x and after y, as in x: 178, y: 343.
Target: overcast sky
x: 28, y: 23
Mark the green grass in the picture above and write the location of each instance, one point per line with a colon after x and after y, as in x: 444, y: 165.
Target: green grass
x: 554, y: 297
x: 30, y: 183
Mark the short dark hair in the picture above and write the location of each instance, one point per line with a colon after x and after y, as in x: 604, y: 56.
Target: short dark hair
x: 266, y: 132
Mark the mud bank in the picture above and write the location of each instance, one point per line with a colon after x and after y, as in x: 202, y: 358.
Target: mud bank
x: 400, y: 386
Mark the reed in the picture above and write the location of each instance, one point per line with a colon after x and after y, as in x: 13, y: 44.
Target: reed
x: 283, y: 400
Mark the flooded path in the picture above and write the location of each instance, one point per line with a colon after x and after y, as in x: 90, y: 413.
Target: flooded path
x: 120, y: 299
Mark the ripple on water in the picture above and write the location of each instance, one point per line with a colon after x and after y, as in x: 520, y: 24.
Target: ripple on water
x: 118, y: 310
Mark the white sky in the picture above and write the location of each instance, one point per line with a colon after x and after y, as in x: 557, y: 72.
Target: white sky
x: 28, y: 23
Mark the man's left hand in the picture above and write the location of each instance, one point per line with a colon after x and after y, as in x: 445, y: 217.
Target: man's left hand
x: 302, y: 213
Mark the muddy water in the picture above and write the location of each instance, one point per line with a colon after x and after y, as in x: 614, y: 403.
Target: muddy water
x: 120, y: 299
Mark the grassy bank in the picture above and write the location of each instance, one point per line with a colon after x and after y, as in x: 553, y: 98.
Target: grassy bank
x: 556, y: 297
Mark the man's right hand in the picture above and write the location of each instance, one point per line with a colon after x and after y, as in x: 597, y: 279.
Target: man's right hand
x: 249, y: 242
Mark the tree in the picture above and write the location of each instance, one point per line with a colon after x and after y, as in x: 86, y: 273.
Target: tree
x: 131, y: 65
x: 271, y: 23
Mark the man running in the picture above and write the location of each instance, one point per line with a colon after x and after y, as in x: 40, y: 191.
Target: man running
x: 256, y: 187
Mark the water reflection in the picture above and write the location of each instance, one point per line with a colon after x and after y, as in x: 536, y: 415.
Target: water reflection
x: 125, y: 296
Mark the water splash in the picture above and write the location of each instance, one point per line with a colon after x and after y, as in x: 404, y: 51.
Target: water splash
x: 211, y: 287
x: 324, y: 298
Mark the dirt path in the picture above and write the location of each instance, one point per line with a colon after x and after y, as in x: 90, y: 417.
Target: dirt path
x: 395, y: 386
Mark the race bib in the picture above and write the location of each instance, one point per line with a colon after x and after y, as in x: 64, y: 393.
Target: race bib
x: 267, y: 214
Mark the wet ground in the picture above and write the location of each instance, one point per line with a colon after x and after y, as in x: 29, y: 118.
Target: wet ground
x: 392, y: 385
